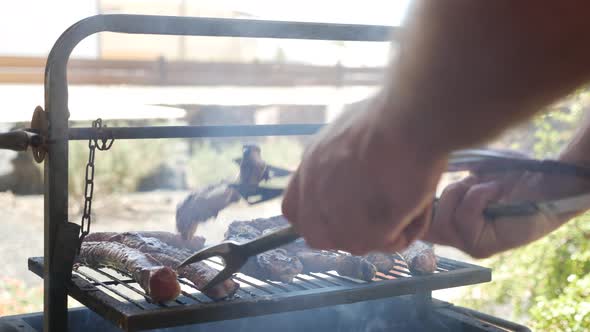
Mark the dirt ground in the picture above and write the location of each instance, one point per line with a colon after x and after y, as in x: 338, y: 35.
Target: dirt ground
x: 22, y: 225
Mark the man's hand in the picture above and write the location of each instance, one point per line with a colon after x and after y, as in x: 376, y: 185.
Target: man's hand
x: 361, y: 188
x: 458, y: 220
x: 464, y: 72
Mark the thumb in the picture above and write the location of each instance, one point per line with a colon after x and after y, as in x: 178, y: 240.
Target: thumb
x: 290, y: 203
x: 442, y: 230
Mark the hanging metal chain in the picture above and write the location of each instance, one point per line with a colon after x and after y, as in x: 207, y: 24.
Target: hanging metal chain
x: 105, y: 143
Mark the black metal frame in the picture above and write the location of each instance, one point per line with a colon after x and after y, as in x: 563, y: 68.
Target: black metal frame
x: 59, y: 234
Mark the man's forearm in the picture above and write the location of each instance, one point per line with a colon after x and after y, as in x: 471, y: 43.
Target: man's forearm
x: 467, y: 69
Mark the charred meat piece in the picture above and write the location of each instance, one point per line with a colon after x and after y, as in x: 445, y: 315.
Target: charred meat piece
x: 202, y: 205
x: 320, y: 260
x: 159, y: 282
x: 253, y: 169
x: 275, y: 265
x: 193, y: 244
x: 346, y: 265
x: 383, y: 262
x: 272, y: 265
x: 420, y: 258
x: 265, y: 224
x: 199, y: 273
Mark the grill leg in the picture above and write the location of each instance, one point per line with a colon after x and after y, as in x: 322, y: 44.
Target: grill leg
x: 423, y: 301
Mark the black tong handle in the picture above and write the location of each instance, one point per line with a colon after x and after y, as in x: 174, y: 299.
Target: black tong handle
x: 270, y: 241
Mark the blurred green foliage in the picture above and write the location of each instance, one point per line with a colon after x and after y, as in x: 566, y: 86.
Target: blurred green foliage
x: 545, y: 285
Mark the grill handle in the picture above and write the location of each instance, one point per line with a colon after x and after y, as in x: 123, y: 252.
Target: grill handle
x: 20, y: 140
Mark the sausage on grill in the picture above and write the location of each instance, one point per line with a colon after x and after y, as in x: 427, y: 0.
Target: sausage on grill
x: 420, y: 258
x: 159, y: 282
x: 198, y: 273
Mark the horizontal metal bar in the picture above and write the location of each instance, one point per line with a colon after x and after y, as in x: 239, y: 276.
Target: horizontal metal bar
x: 221, y: 27
x: 195, y: 131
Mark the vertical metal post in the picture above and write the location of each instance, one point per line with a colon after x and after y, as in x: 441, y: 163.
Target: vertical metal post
x: 56, y: 201
x: 423, y: 304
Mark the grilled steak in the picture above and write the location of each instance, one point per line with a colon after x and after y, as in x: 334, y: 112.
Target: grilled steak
x: 193, y: 244
x: 273, y: 265
x: 199, y: 273
x: 202, y: 205
x: 159, y: 282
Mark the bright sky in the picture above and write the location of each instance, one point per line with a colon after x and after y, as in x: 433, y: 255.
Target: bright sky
x: 30, y: 27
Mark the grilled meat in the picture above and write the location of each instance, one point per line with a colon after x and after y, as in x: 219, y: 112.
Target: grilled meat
x: 203, y: 205
x: 311, y: 260
x: 383, y: 262
x: 321, y: 261
x: 273, y: 265
x: 199, y: 273
x: 193, y: 244
x: 253, y: 169
x: 346, y: 265
x: 263, y: 224
x: 420, y: 258
x: 159, y: 282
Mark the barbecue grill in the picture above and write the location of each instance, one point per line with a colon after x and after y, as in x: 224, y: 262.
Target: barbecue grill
x: 313, y: 301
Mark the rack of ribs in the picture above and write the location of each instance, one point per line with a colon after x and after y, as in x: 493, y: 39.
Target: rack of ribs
x: 194, y: 243
x: 158, y: 281
x: 171, y: 256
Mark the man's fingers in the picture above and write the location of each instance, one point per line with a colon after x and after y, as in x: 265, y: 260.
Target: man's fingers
x: 442, y: 230
x: 469, y: 219
x: 476, y: 199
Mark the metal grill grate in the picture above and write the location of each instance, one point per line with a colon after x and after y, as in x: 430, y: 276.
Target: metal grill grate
x: 118, y: 298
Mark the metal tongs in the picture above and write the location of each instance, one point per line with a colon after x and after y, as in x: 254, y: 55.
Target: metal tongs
x: 235, y: 254
x: 494, y: 161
